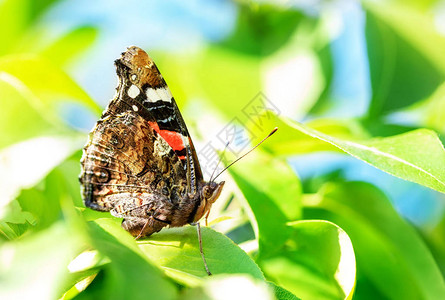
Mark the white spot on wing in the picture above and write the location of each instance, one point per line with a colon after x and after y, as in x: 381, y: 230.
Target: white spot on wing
x: 133, y: 91
x: 134, y: 77
x: 164, y: 94
x: 154, y: 95
x: 135, y: 108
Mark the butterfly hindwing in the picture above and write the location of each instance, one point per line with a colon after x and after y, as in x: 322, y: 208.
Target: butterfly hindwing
x: 124, y: 154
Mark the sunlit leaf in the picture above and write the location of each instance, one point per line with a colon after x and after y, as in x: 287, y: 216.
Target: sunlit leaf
x: 23, y: 165
x: 288, y: 141
x: 129, y: 274
x: 281, y: 293
x: 19, y: 118
x: 435, y: 240
x: 434, y: 115
x: 48, y: 253
x: 317, y: 262
x: 63, y: 50
x: 274, y: 199
x: 176, y: 250
x: 231, y: 287
x: 389, y: 251
x: 14, y: 221
x: 46, y: 82
x: 262, y: 29
x: 13, y: 23
x: 416, y: 156
x: 208, y: 74
x: 405, y: 56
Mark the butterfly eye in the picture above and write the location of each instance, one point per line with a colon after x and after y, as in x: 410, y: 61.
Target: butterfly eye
x: 133, y: 77
x: 206, y: 192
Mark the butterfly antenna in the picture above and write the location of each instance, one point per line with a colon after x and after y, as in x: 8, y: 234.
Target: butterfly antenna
x: 272, y: 132
x: 219, y: 161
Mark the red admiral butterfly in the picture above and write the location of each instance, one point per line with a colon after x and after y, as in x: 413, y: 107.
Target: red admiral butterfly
x: 139, y: 162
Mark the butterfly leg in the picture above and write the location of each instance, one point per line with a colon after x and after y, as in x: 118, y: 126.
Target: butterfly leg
x: 198, y: 229
x: 142, y: 231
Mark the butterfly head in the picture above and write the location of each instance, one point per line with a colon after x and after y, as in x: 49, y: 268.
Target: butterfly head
x: 208, y: 194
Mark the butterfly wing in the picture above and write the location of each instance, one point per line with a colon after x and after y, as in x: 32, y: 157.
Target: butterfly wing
x: 139, y: 162
x: 143, y: 89
x: 125, y: 155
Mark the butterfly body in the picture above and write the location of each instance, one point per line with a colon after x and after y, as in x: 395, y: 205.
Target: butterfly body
x: 139, y: 162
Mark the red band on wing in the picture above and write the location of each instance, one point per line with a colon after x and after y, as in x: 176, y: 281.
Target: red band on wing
x: 174, y: 139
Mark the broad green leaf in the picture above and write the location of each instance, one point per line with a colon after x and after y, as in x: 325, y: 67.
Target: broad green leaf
x: 19, y: 118
x: 317, y: 262
x: 220, y: 69
x: 416, y: 156
x: 46, y: 82
x: 417, y: 28
x: 231, y: 287
x: 389, y: 251
x: 207, y: 74
x: 129, y: 275
x: 422, y: 5
x: 49, y: 200
x: 25, y: 164
x: 434, y: 115
x: 36, y: 267
x: 405, y: 56
x: 263, y: 29
x: 272, y: 191
x: 13, y: 23
x: 288, y: 141
x: 325, y: 101
x: 14, y: 221
x: 281, y: 293
x: 176, y: 250
x: 435, y: 239
x: 63, y: 50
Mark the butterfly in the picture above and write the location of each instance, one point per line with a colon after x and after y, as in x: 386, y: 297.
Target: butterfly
x: 139, y: 163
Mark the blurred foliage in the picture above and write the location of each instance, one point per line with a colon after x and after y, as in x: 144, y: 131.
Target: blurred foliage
x: 336, y: 239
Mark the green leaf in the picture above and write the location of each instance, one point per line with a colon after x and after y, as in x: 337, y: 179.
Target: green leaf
x: 405, y: 56
x: 281, y: 293
x: 13, y: 23
x: 19, y: 118
x: 23, y: 165
x: 422, y: 5
x: 416, y: 156
x: 63, y: 50
x: 14, y: 221
x: 176, y: 250
x: 36, y: 267
x: 230, y: 287
x: 435, y: 239
x: 274, y: 200
x: 129, y: 275
x: 207, y: 75
x: 287, y: 141
x: 262, y: 29
x: 389, y: 251
x: 317, y: 262
x: 434, y: 115
x: 45, y: 81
